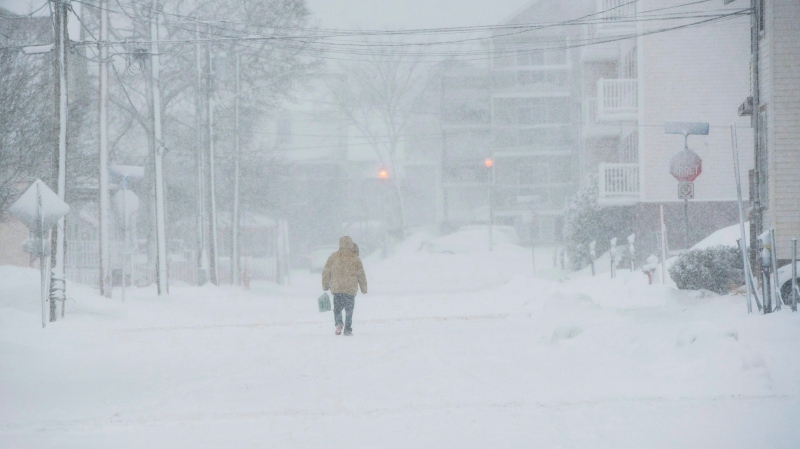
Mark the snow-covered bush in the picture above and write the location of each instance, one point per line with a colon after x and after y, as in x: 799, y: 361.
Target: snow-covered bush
x: 718, y: 269
x: 586, y: 221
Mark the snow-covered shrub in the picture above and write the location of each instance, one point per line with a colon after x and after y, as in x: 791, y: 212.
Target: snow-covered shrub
x: 718, y: 269
x: 586, y: 221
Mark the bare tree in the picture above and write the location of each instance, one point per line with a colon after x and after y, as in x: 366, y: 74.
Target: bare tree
x: 272, y: 66
x: 26, y: 115
x: 377, y: 96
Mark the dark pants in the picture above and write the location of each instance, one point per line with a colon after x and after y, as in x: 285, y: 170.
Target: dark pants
x: 346, y: 302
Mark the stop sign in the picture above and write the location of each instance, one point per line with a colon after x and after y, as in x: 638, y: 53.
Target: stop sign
x: 686, y: 165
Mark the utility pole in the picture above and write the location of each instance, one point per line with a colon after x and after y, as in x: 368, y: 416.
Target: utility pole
x: 235, y: 244
x: 161, y: 242
x: 202, y: 249
x: 489, y: 163
x: 759, y: 168
x: 212, y: 226
x: 104, y: 201
x: 57, y: 275
x: 756, y: 227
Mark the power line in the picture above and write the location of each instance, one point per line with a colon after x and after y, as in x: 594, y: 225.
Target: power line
x: 240, y: 38
x: 426, y: 57
x: 24, y: 16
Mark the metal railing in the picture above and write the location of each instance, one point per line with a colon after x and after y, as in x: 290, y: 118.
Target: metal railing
x: 617, y: 96
x: 619, y: 181
x: 83, y: 263
x: 615, y: 14
x: 84, y: 254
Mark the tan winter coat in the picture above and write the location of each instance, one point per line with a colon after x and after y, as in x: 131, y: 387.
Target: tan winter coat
x: 343, y: 272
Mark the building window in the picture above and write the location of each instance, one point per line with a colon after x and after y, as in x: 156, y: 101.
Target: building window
x: 763, y: 153
x: 532, y: 180
x: 629, y: 148
x: 531, y: 111
x: 530, y: 57
x: 344, y: 139
x: 284, y: 131
x: 629, y: 68
x: 466, y: 111
x: 551, y: 50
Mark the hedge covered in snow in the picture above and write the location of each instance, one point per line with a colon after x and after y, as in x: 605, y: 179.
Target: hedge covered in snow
x: 718, y: 269
x: 586, y: 221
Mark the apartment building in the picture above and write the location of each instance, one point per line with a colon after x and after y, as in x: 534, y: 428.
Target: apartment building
x: 778, y: 112
x: 466, y: 127
x: 648, y: 63
x: 582, y: 98
x: 518, y: 110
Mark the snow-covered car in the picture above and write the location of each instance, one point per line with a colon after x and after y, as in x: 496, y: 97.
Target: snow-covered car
x: 319, y: 256
x: 785, y: 280
x: 468, y: 239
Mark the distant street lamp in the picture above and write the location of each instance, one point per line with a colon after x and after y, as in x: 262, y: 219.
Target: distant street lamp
x: 489, y: 163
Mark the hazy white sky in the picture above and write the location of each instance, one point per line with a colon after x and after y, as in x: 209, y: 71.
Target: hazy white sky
x: 411, y: 13
x: 22, y: 6
x: 381, y: 13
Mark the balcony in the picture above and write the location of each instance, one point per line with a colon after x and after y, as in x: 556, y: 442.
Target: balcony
x: 531, y: 82
x: 619, y: 184
x: 546, y: 139
x: 616, y: 18
x: 617, y: 99
x: 591, y: 126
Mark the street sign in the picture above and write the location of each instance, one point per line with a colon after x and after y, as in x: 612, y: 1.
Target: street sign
x: 686, y: 128
x: 686, y: 165
x: 686, y: 190
x: 40, y: 209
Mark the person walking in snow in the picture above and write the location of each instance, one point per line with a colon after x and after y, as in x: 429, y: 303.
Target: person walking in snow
x: 343, y: 275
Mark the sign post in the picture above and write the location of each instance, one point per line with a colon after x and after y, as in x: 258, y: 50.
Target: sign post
x: 533, y: 231
x: 743, y: 240
x: 40, y: 209
x: 686, y: 165
x: 126, y: 172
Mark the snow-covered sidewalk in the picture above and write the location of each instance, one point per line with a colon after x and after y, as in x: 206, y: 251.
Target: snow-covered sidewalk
x: 464, y: 350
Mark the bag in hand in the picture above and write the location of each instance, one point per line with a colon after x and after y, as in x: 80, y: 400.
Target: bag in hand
x: 324, y: 302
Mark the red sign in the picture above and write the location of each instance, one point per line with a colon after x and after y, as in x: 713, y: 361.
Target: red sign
x: 686, y: 165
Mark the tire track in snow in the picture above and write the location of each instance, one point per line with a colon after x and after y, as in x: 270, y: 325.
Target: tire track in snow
x: 119, y: 420
x: 203, y: 327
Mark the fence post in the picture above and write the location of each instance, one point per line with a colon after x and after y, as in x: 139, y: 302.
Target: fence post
x: 632, y: 250
x: 774, y: 255
x: 794, y: 275
x: 613, y: 253
x: 765, y: 258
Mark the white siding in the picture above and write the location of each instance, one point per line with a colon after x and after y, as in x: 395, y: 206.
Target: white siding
x: 781, y: 94
x: 695, y: 74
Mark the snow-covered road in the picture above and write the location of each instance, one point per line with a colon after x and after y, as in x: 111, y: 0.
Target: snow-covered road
x: 476, y: 354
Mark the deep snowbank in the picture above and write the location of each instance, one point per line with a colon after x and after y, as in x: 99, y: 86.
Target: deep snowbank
x: 450, y: 350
